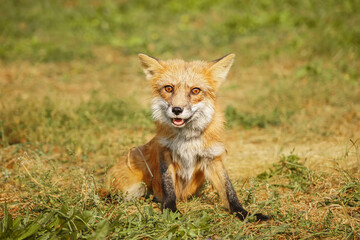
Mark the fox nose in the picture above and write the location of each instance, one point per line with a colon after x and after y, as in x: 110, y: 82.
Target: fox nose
x: 177, y: 110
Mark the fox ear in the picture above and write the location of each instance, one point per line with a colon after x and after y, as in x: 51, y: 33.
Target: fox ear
x: 150, y: 65
x: 221, y: 67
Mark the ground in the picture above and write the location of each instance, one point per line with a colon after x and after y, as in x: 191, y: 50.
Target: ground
x: 73, y: 99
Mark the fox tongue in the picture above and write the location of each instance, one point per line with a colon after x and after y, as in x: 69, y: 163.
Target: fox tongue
x: 178, y: 121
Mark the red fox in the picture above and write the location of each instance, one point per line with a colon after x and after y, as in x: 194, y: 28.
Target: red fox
x: 188, y: 146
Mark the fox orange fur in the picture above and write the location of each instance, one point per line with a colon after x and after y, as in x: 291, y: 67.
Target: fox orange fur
x: 188, y: 146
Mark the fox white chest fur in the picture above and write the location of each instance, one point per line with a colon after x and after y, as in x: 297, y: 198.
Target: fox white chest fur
x: 187, y: 143
x: 191, y: 153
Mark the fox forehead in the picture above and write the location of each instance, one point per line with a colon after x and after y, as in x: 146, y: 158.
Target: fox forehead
x: 204, y: 74
x: 179, y: 73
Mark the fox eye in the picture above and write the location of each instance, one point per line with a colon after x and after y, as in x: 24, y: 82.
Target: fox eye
x: 169, y: 88
x: 195, y: 91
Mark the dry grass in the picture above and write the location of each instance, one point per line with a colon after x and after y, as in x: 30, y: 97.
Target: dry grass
x: 292, y: 102
x: 37, y: 175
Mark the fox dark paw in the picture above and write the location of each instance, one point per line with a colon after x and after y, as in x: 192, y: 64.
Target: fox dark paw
x: 170, y: 205
x: 242, y: 214
x: 261, y: 217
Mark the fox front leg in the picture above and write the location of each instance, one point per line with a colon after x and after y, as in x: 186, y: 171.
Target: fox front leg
x: 218, y: 177
x: 234, y: 204
x: 167, y: 182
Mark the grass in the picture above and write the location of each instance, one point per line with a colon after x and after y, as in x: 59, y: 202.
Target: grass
x: 73, y: 99
x: 304, y: 205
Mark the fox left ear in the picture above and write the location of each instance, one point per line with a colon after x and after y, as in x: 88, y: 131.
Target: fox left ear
x: 221, y: 67
x: 150, y: 65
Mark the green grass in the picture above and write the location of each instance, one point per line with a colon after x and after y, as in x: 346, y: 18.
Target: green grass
x: 58, y: 212
x: 299, y: 177
x: 73, y: 100
x: 46, y: 121
x: 62, y: 31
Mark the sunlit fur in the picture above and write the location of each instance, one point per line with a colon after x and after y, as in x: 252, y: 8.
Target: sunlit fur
x: 190, y: 150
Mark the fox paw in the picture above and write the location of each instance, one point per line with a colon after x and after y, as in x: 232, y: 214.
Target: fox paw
x: 170, y: 205
x: 242, y: 214
x: 261, y: 217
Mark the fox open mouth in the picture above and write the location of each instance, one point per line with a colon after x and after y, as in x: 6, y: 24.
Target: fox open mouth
x: 179, y: 122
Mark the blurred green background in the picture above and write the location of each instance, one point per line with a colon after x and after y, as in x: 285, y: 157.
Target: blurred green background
x: 71, y: 65
x: 57, y: 30
x: 73, y: 99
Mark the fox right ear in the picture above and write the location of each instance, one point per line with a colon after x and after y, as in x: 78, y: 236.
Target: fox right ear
x: 150, y: 65
x: 221, y: 67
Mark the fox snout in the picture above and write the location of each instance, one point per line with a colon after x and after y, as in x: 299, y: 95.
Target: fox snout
x: 179, y: 116
x: 177, y: 110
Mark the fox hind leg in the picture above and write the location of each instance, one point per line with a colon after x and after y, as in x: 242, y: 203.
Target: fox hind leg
x: 135, y: 190
x: 121, y: 178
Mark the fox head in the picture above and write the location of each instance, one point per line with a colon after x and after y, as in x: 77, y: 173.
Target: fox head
x: 184, y: 93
